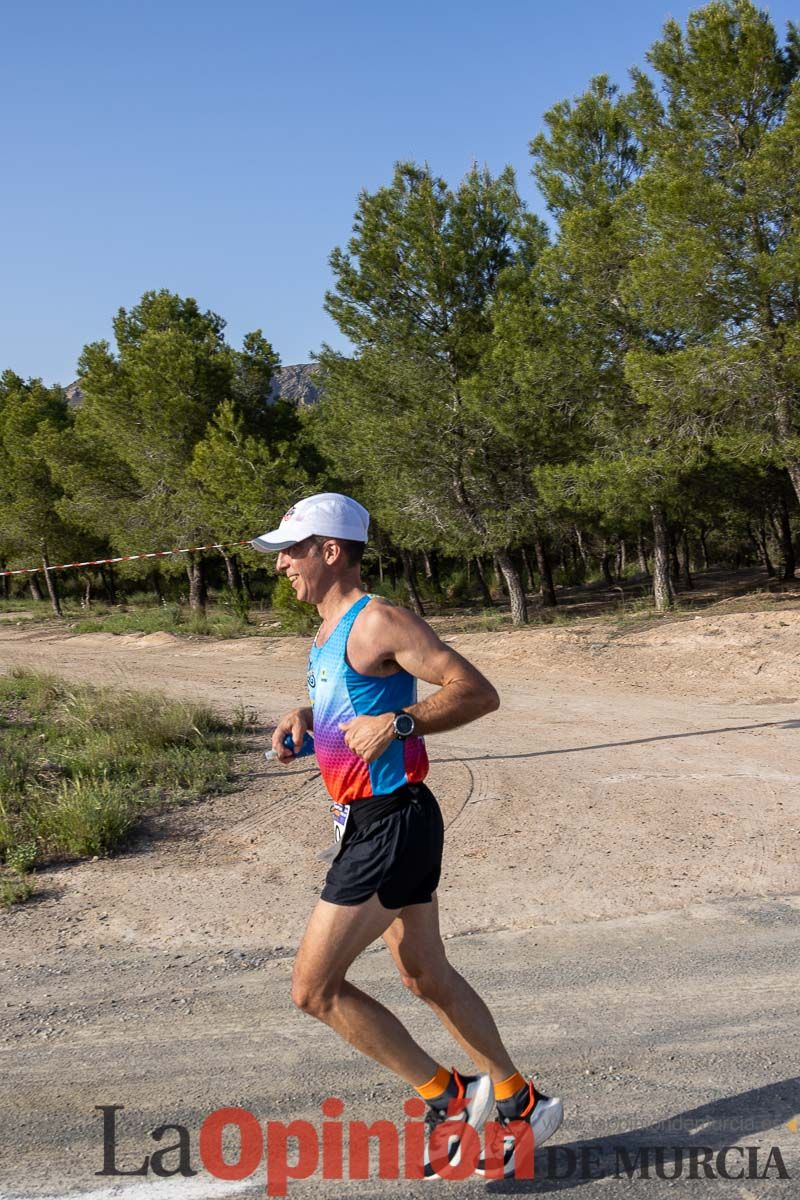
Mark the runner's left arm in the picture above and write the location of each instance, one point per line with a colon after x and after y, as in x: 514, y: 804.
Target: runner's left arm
x: 464, y: 693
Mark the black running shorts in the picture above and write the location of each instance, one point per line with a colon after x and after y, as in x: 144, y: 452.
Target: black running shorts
x: 398, y: 856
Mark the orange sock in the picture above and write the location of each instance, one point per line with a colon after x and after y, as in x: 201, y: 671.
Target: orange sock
x: 437, y: 1084
x: 507, y: 1088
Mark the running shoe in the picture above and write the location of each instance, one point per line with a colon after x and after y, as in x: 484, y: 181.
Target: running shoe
x: 544, y: 1114
x: 471, y: 1106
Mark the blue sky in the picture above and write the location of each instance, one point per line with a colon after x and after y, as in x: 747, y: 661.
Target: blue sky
x: 218, y: 150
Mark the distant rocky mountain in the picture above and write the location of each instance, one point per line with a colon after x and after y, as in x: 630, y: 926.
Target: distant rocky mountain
x: 74, y: 394
x: 296, y: 383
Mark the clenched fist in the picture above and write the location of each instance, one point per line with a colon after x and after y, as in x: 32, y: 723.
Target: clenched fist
x: 368, y: 737
x: 298, y: 722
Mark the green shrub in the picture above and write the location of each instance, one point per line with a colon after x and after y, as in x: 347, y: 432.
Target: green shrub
x: 79, y: 765
x: 573, y: 576
x: 294, y: 616
x: 456, y: 587
x: 22, y: 857
x: 237, y: 604
x: 491, y: 620
x: 168, y: 618
x: 88, y: 816
x: 6, y: 832
x: 14, y: 889
x: 397, y: 593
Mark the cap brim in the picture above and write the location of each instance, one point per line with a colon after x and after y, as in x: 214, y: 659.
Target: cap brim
x: 271, y: 542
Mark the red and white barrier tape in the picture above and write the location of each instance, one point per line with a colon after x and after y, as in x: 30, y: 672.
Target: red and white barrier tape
x: 99, y: 562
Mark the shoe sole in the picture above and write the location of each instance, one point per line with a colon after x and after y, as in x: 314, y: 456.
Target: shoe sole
x: 483, y: 1102
x: 550, y: 1122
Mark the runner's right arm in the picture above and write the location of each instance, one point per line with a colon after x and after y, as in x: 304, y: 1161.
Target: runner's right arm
x: 297, y: 722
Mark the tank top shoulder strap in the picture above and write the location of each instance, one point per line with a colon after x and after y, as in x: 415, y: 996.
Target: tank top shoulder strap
x: 337, y: 641
x: 346, y: 623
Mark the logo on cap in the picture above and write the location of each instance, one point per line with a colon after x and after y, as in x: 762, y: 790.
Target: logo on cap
x: 288, y: 513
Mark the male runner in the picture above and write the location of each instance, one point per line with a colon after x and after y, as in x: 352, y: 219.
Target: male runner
x: 368, y: 736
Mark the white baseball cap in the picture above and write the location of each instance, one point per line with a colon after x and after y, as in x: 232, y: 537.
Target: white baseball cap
x: 329, y: 514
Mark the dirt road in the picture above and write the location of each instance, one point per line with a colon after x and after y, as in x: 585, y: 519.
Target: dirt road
x: 621, y: 877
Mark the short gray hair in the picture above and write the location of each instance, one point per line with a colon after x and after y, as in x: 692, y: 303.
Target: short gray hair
x: 353, y: 551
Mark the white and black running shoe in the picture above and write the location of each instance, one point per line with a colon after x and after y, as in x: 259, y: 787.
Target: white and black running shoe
x: 543, y: 1114
x: 471, y: 1105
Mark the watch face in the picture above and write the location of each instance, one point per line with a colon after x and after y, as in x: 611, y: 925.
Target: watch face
x: 404, y: 724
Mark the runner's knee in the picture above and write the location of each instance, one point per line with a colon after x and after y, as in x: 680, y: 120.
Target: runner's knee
x: 313, y: 996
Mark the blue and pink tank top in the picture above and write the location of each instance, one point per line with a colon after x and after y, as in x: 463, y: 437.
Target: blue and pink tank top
x: 337, y: 694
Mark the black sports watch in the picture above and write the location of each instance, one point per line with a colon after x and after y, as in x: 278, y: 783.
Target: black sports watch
x: 404, y: 725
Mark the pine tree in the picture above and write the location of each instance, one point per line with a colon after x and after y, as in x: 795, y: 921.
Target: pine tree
x: 145, y: 408
x: 413, y: 293
x: 32, y: 527
x: 718, y: 261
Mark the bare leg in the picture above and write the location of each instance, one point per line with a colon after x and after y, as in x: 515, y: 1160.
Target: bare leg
x: 418, y: 951
x: 335, y: 935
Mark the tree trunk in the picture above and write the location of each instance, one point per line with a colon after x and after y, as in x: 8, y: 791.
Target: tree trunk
x: 516, y: 592
x: 431, y: 561
x: 500, y: 576
x: 549, y: 599
x: 577, y: 572
x: 158, y: 584
x: 435, y: 575
x: 622, y: 559
x: 234, y: 574
x: 787, y: 547
x: 763, y: 547
x: 52, y: 585
x: 684, y: 558
x: 380, y: 567
x: 581, y: 550
x: 231, y: 571
x: 605, y: 567
x: 36, y: 591
x: 410, y: 578
x: 662, y: 584
x: 484, y: 586
x: 642, y: 553
x: 198, y: 595
x: 109, y: 583
x: 674, y: 565
x: 526, y: 558
x: 3, y: 580
x: 793, y: 466
x: 704, y: 548
x: 86, y: 598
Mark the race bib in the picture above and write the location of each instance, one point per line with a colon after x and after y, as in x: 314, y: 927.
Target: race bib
x: 341, y: 812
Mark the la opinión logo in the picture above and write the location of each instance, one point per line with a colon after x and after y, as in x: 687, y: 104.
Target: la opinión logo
x: 298, y: 1149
